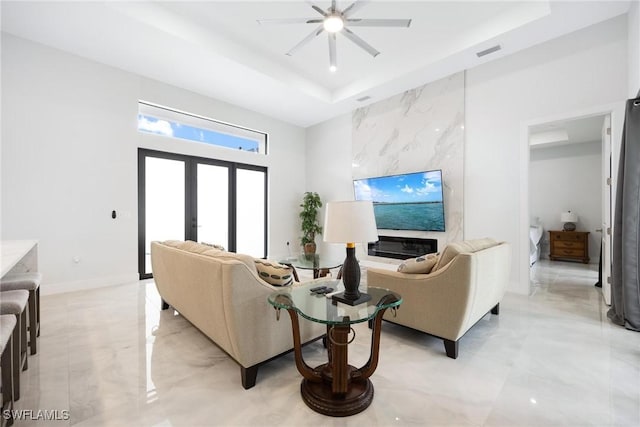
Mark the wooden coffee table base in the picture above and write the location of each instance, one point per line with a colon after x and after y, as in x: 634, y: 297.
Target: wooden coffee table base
x: 320, y: 398
x: 337, y: 388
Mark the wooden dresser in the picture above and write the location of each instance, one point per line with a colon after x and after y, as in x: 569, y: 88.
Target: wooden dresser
x: 570, y: 245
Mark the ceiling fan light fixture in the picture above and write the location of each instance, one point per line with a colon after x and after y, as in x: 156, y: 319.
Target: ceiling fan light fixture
x: 333, y: 23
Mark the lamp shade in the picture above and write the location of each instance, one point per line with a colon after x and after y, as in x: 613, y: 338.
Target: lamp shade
x: 349, y: 222
x: 568, y: 217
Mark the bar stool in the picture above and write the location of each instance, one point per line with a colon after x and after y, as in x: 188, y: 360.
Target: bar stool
x: 7, y: 326
x: 15, y: 302
x: 28, y: 282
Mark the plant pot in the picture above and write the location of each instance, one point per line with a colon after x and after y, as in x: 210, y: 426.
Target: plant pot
x: 309, y: 250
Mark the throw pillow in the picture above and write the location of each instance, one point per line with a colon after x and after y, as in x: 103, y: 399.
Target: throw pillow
x: 274, y: 273
x: 420, y: 265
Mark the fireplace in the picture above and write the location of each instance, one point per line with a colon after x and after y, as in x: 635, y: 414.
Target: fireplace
x: 402, y: 247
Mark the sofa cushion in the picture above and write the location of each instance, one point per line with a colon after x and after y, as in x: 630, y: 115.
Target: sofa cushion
x: 173, y: 243
x: 420, y: 265
x: 204, y: 249
x: 187, y: 245
x: 274, y: 273
x: 211, y: 252
x: 213, y: 245
x: 467, y: 246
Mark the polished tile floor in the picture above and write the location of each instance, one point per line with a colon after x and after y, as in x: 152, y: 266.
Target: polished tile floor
x: 111, y: 358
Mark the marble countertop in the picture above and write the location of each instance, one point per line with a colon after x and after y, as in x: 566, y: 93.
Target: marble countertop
x: 12, y: 251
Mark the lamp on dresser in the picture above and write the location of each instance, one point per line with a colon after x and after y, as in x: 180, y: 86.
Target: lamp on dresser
x: 350, y: 222
x: 569, y: 219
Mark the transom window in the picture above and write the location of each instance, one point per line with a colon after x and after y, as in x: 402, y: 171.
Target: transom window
x: 176, y: 124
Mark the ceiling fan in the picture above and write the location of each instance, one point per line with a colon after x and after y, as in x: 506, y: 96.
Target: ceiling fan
x: 335, y: 21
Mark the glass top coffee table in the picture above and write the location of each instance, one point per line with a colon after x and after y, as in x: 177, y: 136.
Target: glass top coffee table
x: 335, y: 388
x: 318, y: 263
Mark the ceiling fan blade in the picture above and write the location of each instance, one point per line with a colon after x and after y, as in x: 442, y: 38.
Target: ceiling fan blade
x: 354, y: 7
x: 333, y: 5
x: 289, y: 21
x: 332, y: 51
x: 306, y: 40
x: 317, y: 9
x: 379, y: 22
x: 357, y: 40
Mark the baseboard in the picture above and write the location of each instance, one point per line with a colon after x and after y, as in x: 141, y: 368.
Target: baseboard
x: 83, y: 285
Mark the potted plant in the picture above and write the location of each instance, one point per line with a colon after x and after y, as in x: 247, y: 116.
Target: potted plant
x: 310, y: 226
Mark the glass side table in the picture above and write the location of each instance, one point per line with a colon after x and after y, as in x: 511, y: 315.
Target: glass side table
x: 335, y: 388
x: 318, y: 263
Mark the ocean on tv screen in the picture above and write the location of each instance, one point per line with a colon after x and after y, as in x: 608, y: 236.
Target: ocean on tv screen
x: 410, y: 216
x: 411, y: 201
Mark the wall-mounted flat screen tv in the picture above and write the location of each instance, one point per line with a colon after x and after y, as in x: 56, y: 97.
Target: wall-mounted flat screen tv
x: 411, y: 201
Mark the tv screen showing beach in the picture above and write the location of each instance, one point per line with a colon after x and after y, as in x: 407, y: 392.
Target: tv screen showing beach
x: 410, y: 201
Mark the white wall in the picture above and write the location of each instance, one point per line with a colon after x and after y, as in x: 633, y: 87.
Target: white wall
x: 574, y: 72
x: 329, y: 167
x: 633, y: 26
x: 69, y: 157
x: 567, y: 178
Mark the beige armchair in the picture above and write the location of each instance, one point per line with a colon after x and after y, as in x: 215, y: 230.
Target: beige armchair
x: 447, y: 302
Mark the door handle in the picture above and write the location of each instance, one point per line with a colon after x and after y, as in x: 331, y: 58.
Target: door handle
x: 598, y: 230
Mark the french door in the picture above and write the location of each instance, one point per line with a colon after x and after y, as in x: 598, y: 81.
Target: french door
x: 192, y: 198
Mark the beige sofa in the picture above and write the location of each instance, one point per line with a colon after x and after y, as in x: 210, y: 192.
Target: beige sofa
x: 221, y: 294
x: 468, y: 280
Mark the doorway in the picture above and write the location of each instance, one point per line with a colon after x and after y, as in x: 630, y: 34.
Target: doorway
x: 184, y: 197
x: 570, y: 181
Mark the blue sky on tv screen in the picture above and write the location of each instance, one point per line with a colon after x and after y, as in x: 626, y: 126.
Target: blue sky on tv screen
x: 192, y: 133
x: 407, y: 188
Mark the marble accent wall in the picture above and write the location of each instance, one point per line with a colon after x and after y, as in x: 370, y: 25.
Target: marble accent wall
x: 420, y: 129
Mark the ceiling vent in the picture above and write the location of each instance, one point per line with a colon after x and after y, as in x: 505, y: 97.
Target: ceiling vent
x: 364, y: 98
x: 488, y: 51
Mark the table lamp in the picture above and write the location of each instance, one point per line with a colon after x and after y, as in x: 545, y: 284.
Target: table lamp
x: 569, y: 219
x: 350, y: 222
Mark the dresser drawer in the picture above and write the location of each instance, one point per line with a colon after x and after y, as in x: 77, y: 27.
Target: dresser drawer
x: 568, y: 236
x: 579, y: 253
x: 562, y: 244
